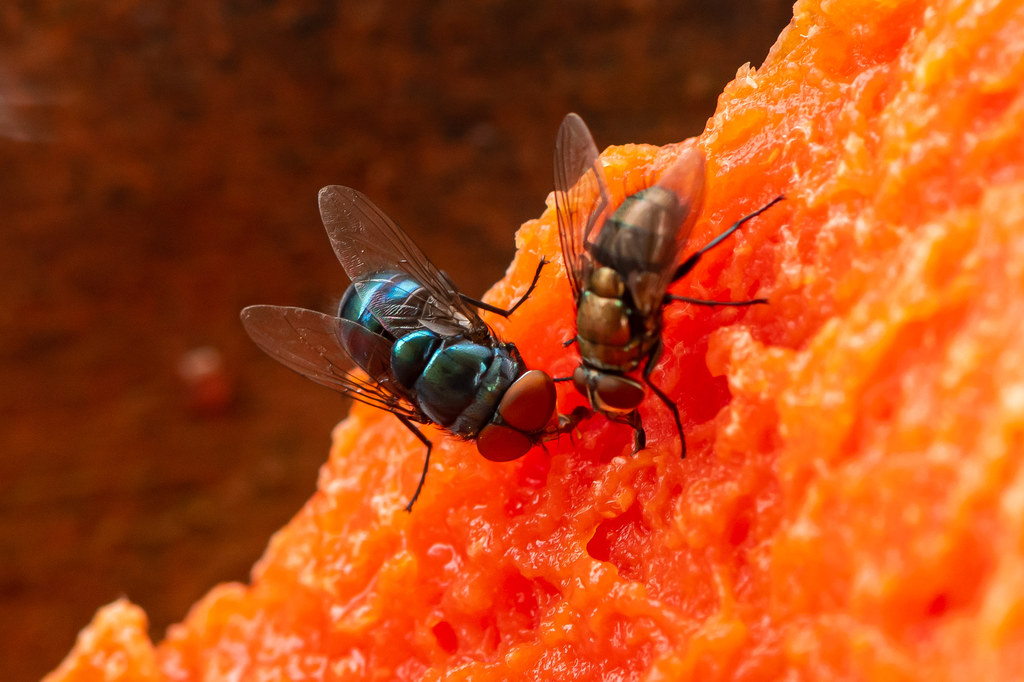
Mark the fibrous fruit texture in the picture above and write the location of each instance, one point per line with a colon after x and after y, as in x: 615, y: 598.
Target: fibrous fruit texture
x: 851, y: 506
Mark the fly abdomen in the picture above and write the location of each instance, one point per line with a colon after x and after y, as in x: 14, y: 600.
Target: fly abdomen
x: 381, y: 295
x: 630, y: 236
x: 410, y: 355
x: 353, y: 308
x: 388, y: 289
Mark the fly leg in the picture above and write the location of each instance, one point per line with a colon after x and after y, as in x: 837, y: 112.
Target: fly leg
x: 426, y: 462
x: 652, y: 360
x: 639, y: 435
x: 700, y: 301
x: 690, y: 262
x: 567, y: 423
x: 502, y: 311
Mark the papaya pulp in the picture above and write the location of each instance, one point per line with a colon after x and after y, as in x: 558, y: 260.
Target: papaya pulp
x: 851, y: 504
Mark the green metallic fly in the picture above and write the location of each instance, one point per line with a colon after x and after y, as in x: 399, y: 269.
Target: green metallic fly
x: 425, y: 354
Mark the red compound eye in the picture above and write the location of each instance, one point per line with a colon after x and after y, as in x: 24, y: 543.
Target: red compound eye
x: 581, y: 380
x: 500, y: 443
x: 619, y: 393
x: 529, y: 402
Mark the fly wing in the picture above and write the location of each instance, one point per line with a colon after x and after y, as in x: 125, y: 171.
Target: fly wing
x: 367, y: 243
x: 673, y: 205
x: 310, y: 343
x: 581, y: 197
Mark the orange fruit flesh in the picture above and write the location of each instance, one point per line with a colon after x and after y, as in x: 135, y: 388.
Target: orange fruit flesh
x: 850, y: 506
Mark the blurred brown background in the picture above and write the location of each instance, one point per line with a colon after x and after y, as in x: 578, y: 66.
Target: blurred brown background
x: 161, y: 161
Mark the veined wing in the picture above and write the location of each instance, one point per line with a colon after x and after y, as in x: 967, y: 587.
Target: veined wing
x: 667, y: 212
x: 367, y: 243
x: 581, y: 197
x: 310, y: 343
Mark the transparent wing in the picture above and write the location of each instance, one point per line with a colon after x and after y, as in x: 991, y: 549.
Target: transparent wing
x: 672, y: 206
x: 581, y: 196
x: 367, y: 243
x: 310, y: 343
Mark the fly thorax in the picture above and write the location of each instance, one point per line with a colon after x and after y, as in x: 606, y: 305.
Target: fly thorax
x: 609, y: 393
x: 602, y: 316
x: 606, y: 283
x: 490, y: 389
x: 451, y: 379
x: 602, y: 321
x: 648, y: 292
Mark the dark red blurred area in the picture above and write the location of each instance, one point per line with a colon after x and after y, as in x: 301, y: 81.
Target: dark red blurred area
x: 161, y: 161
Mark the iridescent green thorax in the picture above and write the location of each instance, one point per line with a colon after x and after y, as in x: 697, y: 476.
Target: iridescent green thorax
x: 462, y: 383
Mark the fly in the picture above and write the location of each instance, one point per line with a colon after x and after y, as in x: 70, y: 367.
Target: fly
x: 427, y: 355
x: 620, y: 264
